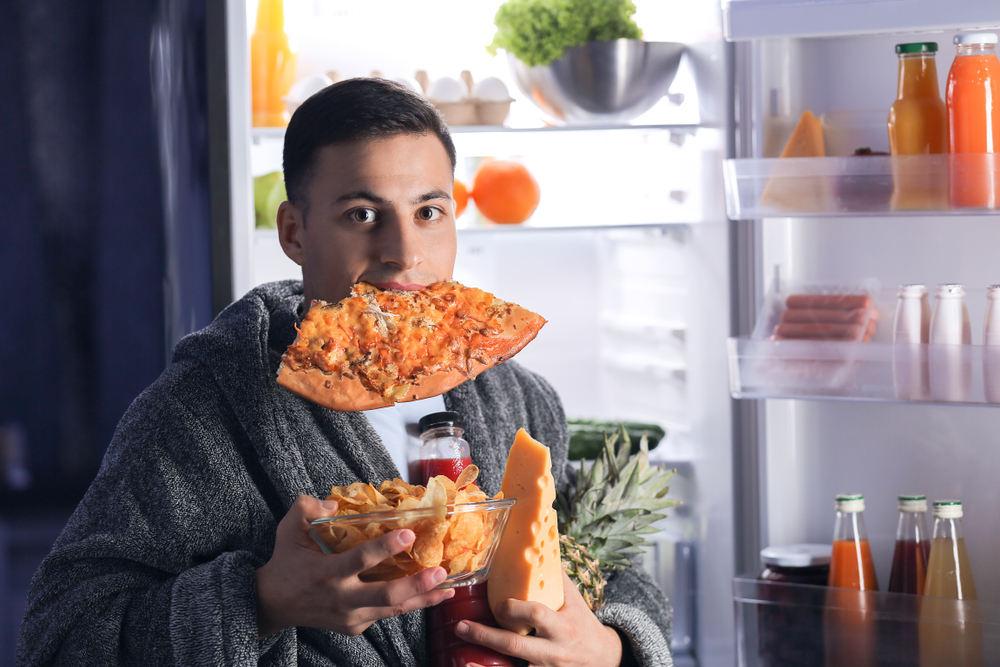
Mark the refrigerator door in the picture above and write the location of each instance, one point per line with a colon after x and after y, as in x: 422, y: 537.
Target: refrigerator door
x: 872, y: 438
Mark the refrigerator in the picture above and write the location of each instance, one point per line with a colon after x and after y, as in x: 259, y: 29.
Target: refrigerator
x: 657, y: 266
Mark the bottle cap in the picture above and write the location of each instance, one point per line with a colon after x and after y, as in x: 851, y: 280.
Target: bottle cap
x: 912, y: 503
x: 950, y: 290
x: 912, y: 291
x: 947, y: 509
x: 438, y: 419
x: 976, y: 38
x: 993, y: 292
x: 850, y: 502
x: 917, y: 47
x: 797, y: 555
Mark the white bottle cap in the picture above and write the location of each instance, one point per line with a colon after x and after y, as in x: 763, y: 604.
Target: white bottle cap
x: 912, y: 291
x: 850, y: 502
x: 993, y: 292
x: 912, y: 503
x: 950, y: 291
x: 947, y: 509
x: 976, y: 38
x: 797, y: 555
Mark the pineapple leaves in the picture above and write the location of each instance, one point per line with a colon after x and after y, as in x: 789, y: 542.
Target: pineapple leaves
x: 613, y: 505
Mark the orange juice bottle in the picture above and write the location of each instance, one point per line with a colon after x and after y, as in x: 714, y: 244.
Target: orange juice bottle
x: 272, y: 65
x: 849, y: 632
x: 851, y: 562
x: 973, y: 98
x: 918, y: 125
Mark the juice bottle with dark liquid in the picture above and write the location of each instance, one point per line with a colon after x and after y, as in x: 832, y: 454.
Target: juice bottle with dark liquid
x: 848, y: 621
x: 445, y: 452
x: 898, y: 639
x: 950, y: 629
x: 913, y: 547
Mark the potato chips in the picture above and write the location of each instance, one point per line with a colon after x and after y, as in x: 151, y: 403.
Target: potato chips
x: 453, y: 528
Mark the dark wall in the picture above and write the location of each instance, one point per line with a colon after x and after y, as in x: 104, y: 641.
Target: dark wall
x: 83, y: 258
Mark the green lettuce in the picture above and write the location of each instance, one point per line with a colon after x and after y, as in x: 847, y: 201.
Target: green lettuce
x: 539, y: 31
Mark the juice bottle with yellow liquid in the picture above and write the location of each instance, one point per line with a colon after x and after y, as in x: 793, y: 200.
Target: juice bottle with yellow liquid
x: 973, y: 98
x: 950, y: 630
x: 918, y: 125
x: 272, y: 65
x: 849, y: 633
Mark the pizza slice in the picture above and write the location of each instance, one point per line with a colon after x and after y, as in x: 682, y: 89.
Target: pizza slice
x: 380, y: 347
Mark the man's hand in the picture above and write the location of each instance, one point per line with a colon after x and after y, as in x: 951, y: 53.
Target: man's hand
x: 302, y: 586
x: 571, y: 636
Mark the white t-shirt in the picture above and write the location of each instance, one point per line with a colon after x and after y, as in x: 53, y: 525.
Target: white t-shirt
x: 397, y: 426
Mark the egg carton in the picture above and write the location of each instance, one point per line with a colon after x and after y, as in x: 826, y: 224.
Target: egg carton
x: 467, y: 111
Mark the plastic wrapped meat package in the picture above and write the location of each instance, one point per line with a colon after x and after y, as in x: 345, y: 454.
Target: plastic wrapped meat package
x: 806, y: 338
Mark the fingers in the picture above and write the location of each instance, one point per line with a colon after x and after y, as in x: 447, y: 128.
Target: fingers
x: 401, y: 596
x: 533, y: 614
x: 294, y: 527
x: 307, y: 509
x: 503, y: 641
x: 571, y: 594
x: 401, y: 601
x: 369, y: 554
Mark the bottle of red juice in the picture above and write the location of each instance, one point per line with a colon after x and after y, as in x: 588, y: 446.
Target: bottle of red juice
x: 445, y: 452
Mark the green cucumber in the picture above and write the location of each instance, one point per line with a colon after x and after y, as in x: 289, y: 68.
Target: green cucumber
x: 586, y: 436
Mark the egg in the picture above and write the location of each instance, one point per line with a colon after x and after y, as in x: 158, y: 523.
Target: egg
x: 409, y: 82
x: 305, y: 88
x: 447, y: 89
x: 491, y: 89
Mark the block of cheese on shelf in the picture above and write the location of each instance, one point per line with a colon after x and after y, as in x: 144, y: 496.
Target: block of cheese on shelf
x: 527, y: 566
x: 806, y: 139
x: 787, y: 189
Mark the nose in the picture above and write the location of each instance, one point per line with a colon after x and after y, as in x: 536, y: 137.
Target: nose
x: 400, y: 245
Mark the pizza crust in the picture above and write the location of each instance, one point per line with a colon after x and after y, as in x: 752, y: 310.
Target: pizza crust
x: 338, y: 391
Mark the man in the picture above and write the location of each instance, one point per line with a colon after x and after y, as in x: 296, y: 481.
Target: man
x: 192, y: 547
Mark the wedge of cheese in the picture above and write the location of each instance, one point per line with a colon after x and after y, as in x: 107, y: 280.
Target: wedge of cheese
x: 806, y: 139
x: 788, y: 190
x: 527, y: 566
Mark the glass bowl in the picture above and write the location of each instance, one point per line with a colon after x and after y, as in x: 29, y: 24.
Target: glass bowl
x: 460, y: 538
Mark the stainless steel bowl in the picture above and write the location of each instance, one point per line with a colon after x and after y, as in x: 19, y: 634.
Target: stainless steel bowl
x: 601, y: 82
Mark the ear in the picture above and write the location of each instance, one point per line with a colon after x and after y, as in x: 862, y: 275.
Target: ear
x: 291, y: 232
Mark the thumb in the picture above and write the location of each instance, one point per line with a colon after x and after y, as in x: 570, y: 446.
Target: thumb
x: 307, y: 509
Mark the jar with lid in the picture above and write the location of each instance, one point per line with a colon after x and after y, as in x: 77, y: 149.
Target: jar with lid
x: 796, y: 564
x: 791, y: 629
x: 444, y: 450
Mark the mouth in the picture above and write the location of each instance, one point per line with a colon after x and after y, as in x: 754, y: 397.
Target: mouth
x: 412, y: 287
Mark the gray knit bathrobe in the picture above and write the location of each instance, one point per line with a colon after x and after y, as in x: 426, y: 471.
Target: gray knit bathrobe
x: 156, y: 565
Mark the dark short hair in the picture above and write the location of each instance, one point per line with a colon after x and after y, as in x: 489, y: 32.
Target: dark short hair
x: 350, y: 110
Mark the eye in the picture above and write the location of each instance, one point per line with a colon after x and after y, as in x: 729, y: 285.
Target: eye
x: 364, y: 215
x: 429, y: 213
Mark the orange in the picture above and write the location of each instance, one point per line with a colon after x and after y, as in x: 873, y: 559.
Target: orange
x: 461, y: 196
x: 505, y: 192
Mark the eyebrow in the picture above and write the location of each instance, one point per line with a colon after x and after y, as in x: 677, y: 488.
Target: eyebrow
x: 362, y: 194
x: 367, y: 195
x: 433, y: 194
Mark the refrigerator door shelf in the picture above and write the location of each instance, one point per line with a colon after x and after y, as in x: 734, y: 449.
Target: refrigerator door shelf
x: 757, y: 19
x: 779, y: 623
x: 884, y: 372
x: 856, y: 186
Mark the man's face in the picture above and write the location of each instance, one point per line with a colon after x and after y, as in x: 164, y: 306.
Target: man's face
x: 380, y: 211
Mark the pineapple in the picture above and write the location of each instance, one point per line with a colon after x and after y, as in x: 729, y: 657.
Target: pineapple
x: 615, y: 501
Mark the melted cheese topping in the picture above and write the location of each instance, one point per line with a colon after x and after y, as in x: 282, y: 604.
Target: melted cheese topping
x: 390, y: 339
